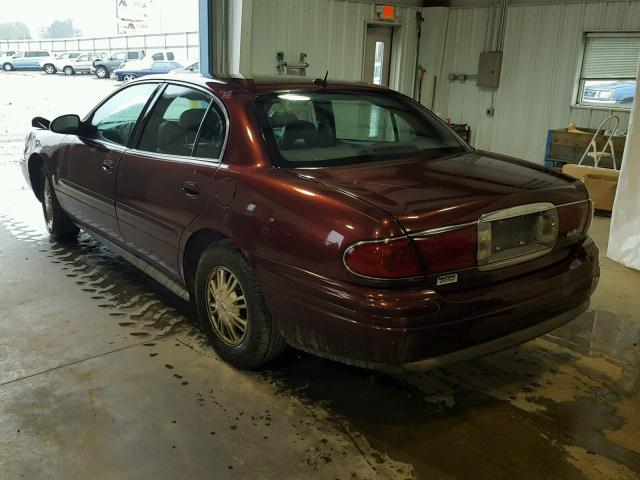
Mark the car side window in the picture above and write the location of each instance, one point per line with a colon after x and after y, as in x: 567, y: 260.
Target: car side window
x: 170, y: 56
x: 175, y: 121
x: 157, y: 56
x: 115, y: 119
x: 130, y: 56
x: 82, y: 58
x: 212, y: 134
x: 119, y: 56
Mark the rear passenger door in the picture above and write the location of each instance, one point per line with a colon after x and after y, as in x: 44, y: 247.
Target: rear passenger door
x: 163, y: 183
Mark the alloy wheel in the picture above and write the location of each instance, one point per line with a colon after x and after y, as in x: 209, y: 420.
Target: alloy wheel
x: 68, y: 70
x: 101, y: 72
x: 8, y: 67
x: 128, y: 78
x: 227, y: 306
x: 49, y: 69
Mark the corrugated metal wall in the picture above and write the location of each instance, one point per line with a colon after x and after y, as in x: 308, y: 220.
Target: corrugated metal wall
x: 330, y: 32
x: 542, y: 47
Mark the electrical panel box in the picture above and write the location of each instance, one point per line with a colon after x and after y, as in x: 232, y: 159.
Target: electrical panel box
x: 489, y: 68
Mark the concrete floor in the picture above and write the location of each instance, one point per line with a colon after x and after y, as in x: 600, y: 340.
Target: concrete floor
x: 102, y: 374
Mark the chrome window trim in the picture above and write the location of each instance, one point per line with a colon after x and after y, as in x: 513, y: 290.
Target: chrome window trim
x: 174, y: 158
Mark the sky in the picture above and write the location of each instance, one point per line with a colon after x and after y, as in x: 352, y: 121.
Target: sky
x: 98, y: 17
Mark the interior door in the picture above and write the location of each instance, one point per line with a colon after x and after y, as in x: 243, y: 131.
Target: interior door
x: 163, y: 184
x: 86, y: 172
x: 377, y: 54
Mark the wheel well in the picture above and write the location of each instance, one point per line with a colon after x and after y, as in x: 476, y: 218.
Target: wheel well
x: 35, y: 174
x: 197, y: 243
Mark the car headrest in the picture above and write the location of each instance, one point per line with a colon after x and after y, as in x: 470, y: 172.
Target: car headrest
x: 280, y: 119
x: 170, y: 137
x: 298, y: 134
x: 191, y: 119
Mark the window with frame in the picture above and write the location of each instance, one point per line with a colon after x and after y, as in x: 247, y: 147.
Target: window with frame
x: 174, y: 123
x: 609, y: 69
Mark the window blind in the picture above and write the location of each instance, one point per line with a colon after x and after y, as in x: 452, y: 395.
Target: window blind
x: 611, y: 56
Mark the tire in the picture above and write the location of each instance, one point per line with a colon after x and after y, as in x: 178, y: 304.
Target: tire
x: 58, y: 223
x: 102, y: 72
x: 7, y: 67
x: 128, y: 77
x: 258, y: 341
x: 49, y: 69
x: 68, y: 70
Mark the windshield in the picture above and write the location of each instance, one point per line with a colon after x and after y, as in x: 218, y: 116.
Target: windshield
x: 310, y: 129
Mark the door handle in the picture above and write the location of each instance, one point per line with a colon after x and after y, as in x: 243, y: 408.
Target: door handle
x: 191, y: 189
x: 107, y: 165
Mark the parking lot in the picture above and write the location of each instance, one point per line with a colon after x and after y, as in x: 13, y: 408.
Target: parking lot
x: 104, y: 375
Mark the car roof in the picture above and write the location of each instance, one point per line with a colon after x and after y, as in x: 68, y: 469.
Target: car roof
x: 264, y: 84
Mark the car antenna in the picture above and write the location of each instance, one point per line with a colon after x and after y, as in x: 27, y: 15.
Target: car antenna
x: 321, y: 82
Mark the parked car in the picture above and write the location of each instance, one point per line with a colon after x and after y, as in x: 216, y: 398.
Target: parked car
x: 49, y: 65
x: 126, y: 74
x: 190, y: 68
x: 344, y: 219
x: 103, y: 67
x: 80, y: 64
x: 159, y: 56
x: 29, y: 60
x: 610, y: 93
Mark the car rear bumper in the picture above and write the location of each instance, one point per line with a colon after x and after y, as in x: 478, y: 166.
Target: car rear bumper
x: 395, y: 328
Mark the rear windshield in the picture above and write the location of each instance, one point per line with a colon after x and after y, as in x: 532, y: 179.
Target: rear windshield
x: 311, y: 129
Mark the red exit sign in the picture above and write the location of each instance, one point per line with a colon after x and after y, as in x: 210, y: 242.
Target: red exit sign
x: 386, y: 12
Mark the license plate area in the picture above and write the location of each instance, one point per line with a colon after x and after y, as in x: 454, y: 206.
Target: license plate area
x: 515, y: 235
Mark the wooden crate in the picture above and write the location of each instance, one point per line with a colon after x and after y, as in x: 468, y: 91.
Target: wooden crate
x: 567, y: 147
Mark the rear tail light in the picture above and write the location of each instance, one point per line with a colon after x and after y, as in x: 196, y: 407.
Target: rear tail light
x: 449, y: 250
x: 575, y: 219
x: 385, y: 259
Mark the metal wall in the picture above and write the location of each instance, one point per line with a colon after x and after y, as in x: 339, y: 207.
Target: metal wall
x: 330, y: 32
x: 183, y: 44
x: 542, y: 48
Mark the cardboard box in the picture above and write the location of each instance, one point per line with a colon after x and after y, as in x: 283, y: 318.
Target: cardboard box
x: 601, y: 183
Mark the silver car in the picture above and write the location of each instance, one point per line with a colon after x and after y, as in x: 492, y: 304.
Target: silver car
x: 70, y: 66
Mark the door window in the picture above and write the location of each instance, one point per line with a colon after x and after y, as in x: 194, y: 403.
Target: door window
x: 174, y: 123
x: 114, y: 120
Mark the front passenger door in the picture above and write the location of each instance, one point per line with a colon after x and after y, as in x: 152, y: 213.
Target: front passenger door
x: 87, y: 171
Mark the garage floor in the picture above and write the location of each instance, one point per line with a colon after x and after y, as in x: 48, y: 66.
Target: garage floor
x: 102, y: 374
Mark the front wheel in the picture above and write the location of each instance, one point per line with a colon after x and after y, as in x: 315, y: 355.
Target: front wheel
x: 68, y: 70
x: 49, y: 69
x: 58, y: 223
x: 101, y: 72
x: 7, y: 67
x: 232, y: 310
x: 128, y: 77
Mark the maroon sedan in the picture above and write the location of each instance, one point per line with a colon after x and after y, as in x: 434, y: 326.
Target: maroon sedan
x: 343, y: 219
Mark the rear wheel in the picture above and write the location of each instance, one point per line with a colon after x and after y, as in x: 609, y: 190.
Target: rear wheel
x: 49, y: 68
x: 58, y: 223
x: 7, y: 67
x: 68, y: 70
x: 101, y: 72
x: 232, y: 310
x: 128, y: 77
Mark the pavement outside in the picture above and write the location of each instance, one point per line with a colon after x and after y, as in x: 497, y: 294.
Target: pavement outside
x: 103, y: 374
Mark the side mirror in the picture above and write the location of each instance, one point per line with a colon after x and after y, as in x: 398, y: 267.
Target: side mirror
x: 66, y: 124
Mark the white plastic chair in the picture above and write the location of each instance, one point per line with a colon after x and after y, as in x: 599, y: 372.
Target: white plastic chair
x: 592, y: 150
